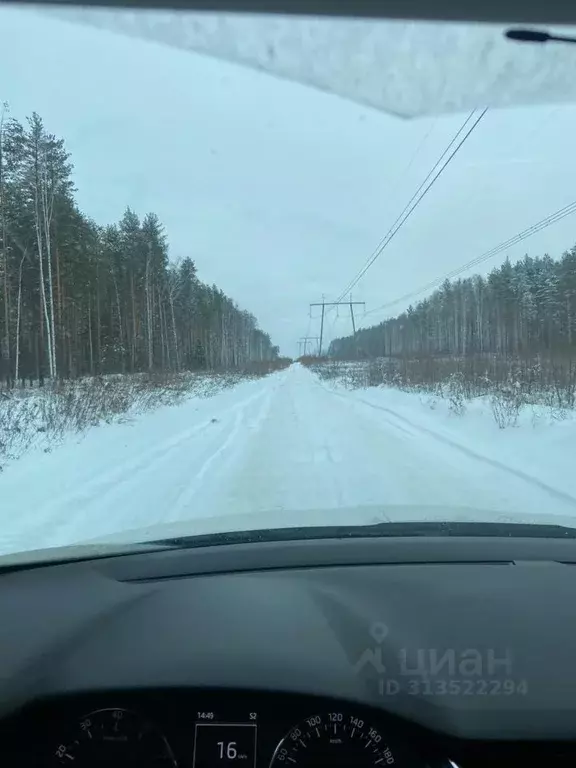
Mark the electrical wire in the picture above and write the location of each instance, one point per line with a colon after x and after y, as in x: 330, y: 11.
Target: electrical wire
x: 415, y: 154
x: 423, y: 141
x: 547, y: 221
x: 405, y: 215
x: 418, y: 196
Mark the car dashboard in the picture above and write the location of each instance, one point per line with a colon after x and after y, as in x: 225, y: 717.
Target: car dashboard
x: 235, y: 729
x: 408, y: 653
x: 202, y: 729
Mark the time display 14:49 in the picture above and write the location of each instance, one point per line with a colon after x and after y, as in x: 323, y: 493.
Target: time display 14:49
x: 225, y: 745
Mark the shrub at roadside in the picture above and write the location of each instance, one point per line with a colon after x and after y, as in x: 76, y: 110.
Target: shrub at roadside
x: 42, y: 416
x: 510, y: 384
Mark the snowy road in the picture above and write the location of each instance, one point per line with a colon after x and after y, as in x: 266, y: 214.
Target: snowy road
x: 286, y: 442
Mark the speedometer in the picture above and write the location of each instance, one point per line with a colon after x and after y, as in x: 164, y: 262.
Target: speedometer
x: 115, y: 738
x: 337, y: 740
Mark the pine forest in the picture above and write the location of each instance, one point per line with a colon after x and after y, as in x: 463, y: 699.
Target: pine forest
x: 78, y: 297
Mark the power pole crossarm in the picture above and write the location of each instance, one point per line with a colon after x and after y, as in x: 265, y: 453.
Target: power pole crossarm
x: 325, y: 304
x: 305, y: 339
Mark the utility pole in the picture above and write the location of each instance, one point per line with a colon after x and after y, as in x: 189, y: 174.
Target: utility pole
x: 304, y: 340
x: 353, y: 327
x: 325, y: 304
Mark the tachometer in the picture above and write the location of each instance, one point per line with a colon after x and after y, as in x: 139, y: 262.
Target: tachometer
x: 337, y: 740
x: 117, y: 738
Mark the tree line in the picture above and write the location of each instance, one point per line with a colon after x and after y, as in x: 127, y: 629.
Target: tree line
x: 79, y: 298
x: 521, y: 310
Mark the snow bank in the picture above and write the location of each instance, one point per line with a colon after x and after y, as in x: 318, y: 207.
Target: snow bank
x: 41, y: 418
x: 541, y: 444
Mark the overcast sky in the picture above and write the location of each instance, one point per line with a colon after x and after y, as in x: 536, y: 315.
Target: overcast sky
x: 278, y: 191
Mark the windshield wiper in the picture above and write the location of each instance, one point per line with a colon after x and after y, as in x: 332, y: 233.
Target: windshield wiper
x: 378, y: 530
x: 537, y: 36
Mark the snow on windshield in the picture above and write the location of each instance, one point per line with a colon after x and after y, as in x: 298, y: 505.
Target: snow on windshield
x: 403, y: 68
x: 231, y: 301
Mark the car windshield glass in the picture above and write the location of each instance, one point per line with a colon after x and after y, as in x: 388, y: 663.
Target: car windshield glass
x: 264, y: 272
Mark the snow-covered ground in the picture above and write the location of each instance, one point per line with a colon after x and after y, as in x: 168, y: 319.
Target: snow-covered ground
x: 287, y: 449
x: 41, y: 417
x: 540, y: 448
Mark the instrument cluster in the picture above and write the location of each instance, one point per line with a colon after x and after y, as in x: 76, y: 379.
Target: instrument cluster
x: 233, y: 729
x: 217, y: 730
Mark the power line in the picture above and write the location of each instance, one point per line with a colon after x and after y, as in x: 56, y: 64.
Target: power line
x: 418, y: 196
x: 423, y: 141
x: 547, y: 221
x: 403, y: 174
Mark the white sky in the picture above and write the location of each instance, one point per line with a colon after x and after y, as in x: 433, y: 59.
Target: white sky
x: 278, y: 191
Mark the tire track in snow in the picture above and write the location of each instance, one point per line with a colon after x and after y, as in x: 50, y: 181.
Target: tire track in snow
x: 186, y: 496
x: 402, y: 421
x: 59, y: 511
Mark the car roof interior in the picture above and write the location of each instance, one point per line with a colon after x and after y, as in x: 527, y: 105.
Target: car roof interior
x: 496, y: 11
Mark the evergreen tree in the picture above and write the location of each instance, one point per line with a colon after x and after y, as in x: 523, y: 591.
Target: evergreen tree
x: 77, y: 298
x: 523, y: 309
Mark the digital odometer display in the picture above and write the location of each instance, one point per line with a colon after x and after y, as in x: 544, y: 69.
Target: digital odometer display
x: 225, y: 745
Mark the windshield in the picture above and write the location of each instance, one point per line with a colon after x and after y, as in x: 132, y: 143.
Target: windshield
x: 262, y: 273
